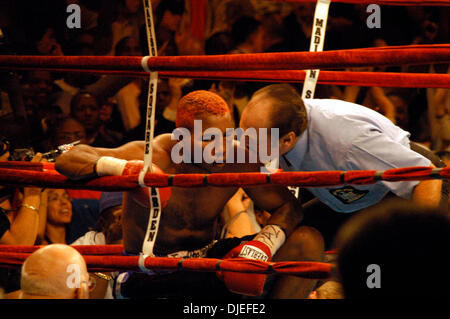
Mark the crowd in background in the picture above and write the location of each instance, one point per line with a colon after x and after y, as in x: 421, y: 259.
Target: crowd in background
x: 42, y: 110
x: 113, y: 113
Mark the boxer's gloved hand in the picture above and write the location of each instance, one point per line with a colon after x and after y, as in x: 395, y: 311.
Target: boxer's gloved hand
x: 107, y: 166
x: 262, y: 247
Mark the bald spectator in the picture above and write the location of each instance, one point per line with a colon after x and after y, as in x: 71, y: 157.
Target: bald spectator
x: 55, y: 272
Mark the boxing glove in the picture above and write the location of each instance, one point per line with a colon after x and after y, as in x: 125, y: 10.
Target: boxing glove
x: 262, y: 247
x: 107, y: 166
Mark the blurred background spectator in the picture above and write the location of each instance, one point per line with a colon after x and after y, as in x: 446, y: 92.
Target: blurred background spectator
x: 406, y: 242
x: 85, y: 108
x: 128, y: 97
x: 106, y: 231
x: 19, y: 221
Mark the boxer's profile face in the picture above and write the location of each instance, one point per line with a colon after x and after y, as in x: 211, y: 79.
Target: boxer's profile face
x: 213, y: 123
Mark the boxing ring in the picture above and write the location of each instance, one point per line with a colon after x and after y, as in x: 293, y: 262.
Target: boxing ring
x: 264, y: 67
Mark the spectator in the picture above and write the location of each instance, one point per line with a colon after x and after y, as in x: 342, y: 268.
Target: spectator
x: 65, y: 130
x: 162, y: 124
x: 19, y: 213
x: 55, y: 217
x: 299, y: 26
x: 72, y: 83
x: 248, y: 36
x: 234, y: 94
x: 128, y: 97
x: 47, y: 44
x: 219, y: 43
x: 128, y: 46
x: 110, y: 116
x: 19, y: 221
x: 86, y: 109
x: 64, y: 219
x: 85, y: 212
x: 224, y: 13
x: 125, y: 19
x: 445, y: 157
x: 401, y: 109
x: 171, y: 38
x: 439, y: 116
x: 55, y: 272
x: 39, y: 95
x: 405, y: 241
x: 177, y: 89
x: 107, y: 231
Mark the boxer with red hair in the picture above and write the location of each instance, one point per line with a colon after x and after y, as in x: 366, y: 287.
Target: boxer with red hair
x: 197, y: 104
x: 190, y: 216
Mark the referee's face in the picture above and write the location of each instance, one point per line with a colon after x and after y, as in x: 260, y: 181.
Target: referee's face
x: 257, y: 116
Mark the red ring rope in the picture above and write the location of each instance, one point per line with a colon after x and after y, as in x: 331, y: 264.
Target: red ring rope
x: 82, y: 249
x: 399, y: 55
x: 313, y: 270
x: 382, y: 79
x: 52, y: 179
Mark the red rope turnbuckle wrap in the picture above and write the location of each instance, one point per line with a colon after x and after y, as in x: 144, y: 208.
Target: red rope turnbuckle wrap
x: 30, y: 174
x: 14, y: 256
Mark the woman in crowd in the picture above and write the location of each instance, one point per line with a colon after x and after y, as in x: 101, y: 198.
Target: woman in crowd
x: 55, y: 217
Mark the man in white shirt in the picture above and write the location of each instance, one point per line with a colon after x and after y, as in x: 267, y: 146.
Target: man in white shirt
x: 328, y: 135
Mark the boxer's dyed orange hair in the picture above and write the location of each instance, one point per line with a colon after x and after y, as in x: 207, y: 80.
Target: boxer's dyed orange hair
x: 197, y: 103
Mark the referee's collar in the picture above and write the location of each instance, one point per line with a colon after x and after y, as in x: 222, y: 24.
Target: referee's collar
x: 294, y: 157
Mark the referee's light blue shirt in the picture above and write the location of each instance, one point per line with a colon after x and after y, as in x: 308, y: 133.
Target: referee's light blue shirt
x: 347, y: 136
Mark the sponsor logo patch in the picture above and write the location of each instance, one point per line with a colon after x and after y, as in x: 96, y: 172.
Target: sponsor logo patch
x: 252, y: 252
x: 348, y: 194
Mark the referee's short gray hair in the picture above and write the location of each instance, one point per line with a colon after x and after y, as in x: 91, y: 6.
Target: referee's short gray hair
x: 288, y: 112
